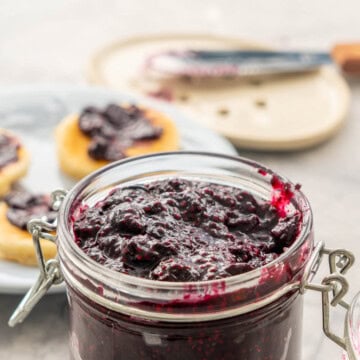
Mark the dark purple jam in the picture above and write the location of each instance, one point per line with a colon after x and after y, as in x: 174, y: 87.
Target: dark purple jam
x: 23, y: 207
x: 182, y: 230
x: 8, y: 150
x: 270, y: 333
x: 114, y: 129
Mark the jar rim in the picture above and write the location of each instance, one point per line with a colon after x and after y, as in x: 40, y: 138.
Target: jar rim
x: 64, y: 212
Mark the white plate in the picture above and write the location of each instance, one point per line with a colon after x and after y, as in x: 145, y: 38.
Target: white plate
x: 33, y: 112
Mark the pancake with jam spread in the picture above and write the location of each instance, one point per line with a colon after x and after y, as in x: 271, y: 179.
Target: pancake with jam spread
x: 16, y: 243
x: 96, y: 137
x: 14, y: 160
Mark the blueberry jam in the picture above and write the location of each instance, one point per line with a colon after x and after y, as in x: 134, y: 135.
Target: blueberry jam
x: 115, y: 129
x: 23, y: 207
x: 8, y: 150
x: 182, y: 230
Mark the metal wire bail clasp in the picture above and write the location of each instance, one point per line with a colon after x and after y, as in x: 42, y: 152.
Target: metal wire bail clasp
x: 333, y: 287
x: 50, y: 273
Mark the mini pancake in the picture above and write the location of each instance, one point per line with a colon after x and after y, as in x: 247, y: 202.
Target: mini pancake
x: 72, y: 144
x: 17, y: 244
x: 15, y: 170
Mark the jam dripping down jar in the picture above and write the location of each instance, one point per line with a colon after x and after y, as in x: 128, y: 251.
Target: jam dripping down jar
x: 256, y: 315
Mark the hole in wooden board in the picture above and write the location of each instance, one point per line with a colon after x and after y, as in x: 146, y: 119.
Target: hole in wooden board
x: 184, y: 97
x: 229, y: 77
x: 255, y: 82
x: 186, y: 79
x: 260, y: 103
x: 223, y: 111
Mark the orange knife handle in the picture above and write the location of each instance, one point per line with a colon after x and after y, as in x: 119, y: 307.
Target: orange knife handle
x: 347, y: 56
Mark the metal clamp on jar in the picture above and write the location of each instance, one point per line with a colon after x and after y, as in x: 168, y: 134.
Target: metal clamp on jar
x: 253, y: 316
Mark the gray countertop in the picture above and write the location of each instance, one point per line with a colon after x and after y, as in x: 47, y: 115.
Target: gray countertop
x: 43, y: 336
x: 51, y: 41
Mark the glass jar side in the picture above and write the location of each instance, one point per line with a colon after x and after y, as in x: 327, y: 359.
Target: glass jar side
x: 272, y: 332
x: 353, y: 330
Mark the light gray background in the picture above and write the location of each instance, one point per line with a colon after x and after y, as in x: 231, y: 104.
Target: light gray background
x: 48, y: 41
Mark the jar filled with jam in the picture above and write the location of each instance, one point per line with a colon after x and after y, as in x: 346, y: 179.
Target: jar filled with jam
x: 185, y: 255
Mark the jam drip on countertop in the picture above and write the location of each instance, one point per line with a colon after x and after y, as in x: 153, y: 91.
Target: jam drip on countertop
x: 115, y: 129
x: 23, y: 207
x: 8, y: 150
x: 182, y: 230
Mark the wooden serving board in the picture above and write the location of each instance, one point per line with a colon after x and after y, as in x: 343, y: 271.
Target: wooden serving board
x: 275, y: 113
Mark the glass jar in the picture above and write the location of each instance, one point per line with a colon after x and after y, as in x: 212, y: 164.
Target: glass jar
x: 252, y: 316
x: 353, y: 330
